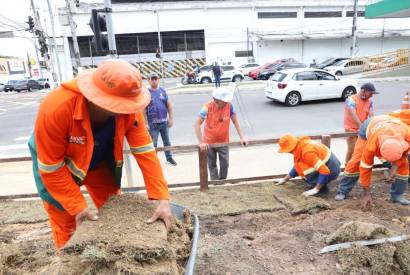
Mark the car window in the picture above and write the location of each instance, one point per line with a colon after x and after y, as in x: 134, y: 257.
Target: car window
x: 324, y: 76
x: 252, y: 65
x: 305, y: 76
x: 339, y: 63
x: 228, y: 68
x: 278, y: 76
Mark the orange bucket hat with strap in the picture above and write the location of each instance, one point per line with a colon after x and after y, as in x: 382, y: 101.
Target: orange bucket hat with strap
x: 115, y: 86
x: 287, y: 143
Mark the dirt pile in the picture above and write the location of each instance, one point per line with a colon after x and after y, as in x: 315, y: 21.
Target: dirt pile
x: 120, y: 242
x: 388, y: 258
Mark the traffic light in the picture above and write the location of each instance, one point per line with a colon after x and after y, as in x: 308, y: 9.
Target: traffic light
x: 43, y: 45
x: 158, y: 53
x: 77, y: 3
x: 30, y: 23
x: 98, y: 25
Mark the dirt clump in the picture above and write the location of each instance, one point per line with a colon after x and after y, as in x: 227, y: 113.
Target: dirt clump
x: 356, y: 231
x: 119, y: 242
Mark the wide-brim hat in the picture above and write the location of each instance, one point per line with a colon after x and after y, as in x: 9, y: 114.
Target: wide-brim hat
x: 115, y: 86
x: 223, y: 93
x: 287, y: 143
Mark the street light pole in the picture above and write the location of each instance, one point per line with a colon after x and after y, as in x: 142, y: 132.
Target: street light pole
x: 73, y: 35
x: 160, y: 45
x: 110, y: 29
x: 53, y: 44
x: 354, y: 29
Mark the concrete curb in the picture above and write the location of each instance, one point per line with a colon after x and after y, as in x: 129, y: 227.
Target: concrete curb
x: 202, y: 89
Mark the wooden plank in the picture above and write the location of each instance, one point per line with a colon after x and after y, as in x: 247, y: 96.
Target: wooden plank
x: 326, y: 140
x: 203, y: 169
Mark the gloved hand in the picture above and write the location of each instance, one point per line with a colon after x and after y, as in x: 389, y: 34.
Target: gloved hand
x: 279, y: 181
x: 310, y: 192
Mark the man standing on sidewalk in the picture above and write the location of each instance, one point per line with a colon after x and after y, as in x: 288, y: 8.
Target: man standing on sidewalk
x: 217, y: 115
x: 217, y: 71
x: 160, y: 115
x: 358, y: 108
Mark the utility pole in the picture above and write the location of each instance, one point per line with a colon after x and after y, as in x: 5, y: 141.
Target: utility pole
x: 53, y: 44
x: 110, y: 29
x: 34, y: 38
x: 247, y: 44
x: 354, y: 28
x: 73, y: 35
x: 160, y: 45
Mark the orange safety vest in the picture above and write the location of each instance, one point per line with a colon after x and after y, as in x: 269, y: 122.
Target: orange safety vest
x: 362, y: 111
x: 63, y: 145
x: 382, y: 125
x: 309, y: 157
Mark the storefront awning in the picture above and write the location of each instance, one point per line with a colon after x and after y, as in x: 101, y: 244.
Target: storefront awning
x: 388, y: 9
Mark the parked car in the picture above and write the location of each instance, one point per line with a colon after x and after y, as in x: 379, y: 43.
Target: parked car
x: 326, y: 63
x: 10, y: 85
x: 45, y: 82
x: 229, y: 73
x: 296, y: 85
x: 347, y: 66
x: 246, y: 68
x: 28, y: 85
x: 254, y: 73
x: 266, y: 73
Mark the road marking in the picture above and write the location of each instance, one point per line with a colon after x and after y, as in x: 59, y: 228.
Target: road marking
x: 14, y: 147
x: 23, y: 138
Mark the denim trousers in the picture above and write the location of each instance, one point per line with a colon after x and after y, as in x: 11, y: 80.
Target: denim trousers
x: 155, y: 129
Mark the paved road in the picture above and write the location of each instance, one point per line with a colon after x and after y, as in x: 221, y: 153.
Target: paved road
x: 259, y: 117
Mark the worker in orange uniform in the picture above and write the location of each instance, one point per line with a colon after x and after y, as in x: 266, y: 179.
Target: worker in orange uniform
x: 358, y: 108
x: 78, y: 140
x: 385, y: 137
x: 312, y: 161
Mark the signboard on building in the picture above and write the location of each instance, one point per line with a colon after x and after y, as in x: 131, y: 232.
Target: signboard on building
x: 16, y: 67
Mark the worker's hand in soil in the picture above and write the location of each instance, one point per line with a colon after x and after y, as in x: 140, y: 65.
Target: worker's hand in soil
x: 279, y: 181
x: 85, y: 215
x: 244, y: 142
x: 367, y: 200
x: 162, y: 212
x: 203, y: 146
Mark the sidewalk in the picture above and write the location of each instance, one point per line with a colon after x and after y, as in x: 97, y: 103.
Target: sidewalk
x: 17, y: 178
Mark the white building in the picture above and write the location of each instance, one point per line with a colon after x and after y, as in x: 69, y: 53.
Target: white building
x: 232, y: 31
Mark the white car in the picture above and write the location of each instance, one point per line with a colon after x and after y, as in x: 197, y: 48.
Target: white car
x: 296, y: 85
x: 229, y: 73
x: 246, y: 68
x: 346, y: 66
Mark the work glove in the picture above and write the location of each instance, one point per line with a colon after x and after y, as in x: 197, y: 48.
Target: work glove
x: 310, y: 192
x: 279, y: 181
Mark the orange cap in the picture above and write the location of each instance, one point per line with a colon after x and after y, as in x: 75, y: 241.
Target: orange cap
x: 115, y: 86
x: 287, y: 143
x: 392, y: 147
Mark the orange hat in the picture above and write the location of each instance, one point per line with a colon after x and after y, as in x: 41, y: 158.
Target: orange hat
x: 405, y: 104
x: 115, y: 86
x: 287, y: 143
x: 392, y: 147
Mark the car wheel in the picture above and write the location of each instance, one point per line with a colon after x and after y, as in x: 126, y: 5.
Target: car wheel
x: 237, y: 78
x: 17, y: 91
x: 348, y: 91
x: 293, y: 99
x: 47, y: 86
x: 29, y: 89
x: 205, y: 80
x: 338, y: 73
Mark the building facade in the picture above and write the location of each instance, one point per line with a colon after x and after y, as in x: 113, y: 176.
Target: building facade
x: 199, y: 32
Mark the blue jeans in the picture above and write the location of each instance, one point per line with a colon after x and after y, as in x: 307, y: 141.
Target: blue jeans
x: 217, y: 81
x: 334, y: 166
x: 160, y: 128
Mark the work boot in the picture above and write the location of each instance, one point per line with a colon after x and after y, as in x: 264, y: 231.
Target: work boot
x: 340, y: 197
x: 172, y: 162
x: 400, y: 200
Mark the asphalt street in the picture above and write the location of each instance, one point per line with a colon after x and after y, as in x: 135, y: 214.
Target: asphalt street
x: 259, y: 117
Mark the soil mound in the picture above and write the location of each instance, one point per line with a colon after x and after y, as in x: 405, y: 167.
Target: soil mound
x: 120, y: 242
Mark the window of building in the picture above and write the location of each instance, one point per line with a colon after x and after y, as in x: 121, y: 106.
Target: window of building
x: 351, y: 13
x: 243, y: 53
x: 320, y: 14
x: 266, y: 15
x: 140, y: 43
